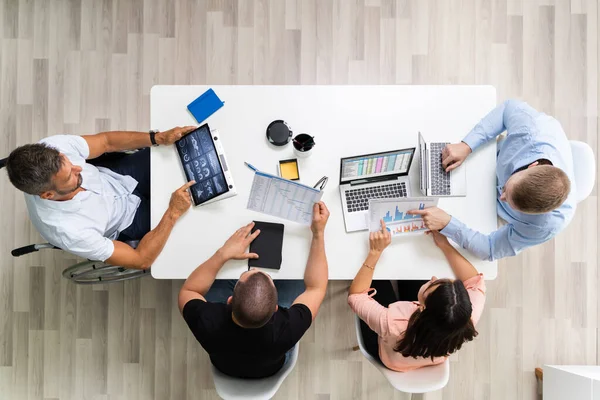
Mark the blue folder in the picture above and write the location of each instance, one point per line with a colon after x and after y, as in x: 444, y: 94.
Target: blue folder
x: 205, y: 105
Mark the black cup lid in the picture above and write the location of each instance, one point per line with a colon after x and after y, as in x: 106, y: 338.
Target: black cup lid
x: 279, y: 133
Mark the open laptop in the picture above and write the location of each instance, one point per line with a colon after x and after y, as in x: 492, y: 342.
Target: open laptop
x: 434, y: 181
x: 203, y: 160
x: 372, y: 176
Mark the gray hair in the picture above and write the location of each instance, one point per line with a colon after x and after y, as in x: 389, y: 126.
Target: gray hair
x: 31, y: 167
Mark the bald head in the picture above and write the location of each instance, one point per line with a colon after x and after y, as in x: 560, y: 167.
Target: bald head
x: 254, y: 299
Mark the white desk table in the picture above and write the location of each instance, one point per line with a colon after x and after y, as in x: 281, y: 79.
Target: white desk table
x: 345, y: 121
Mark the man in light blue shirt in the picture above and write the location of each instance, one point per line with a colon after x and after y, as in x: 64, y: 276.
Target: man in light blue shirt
x: 536, y: 193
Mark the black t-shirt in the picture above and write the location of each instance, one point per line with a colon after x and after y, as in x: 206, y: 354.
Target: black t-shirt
x: 242, y: 352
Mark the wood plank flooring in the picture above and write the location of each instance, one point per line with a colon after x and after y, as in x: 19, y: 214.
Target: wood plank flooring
x: 82, y: 66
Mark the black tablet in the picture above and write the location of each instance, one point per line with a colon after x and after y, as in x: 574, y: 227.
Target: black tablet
x: 201, y: 162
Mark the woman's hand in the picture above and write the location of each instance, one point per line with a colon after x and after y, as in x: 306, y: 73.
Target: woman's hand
x: 379, y: 240
x: 440, y: 240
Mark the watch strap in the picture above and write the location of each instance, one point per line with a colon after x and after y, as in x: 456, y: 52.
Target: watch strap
x: 153, y: 137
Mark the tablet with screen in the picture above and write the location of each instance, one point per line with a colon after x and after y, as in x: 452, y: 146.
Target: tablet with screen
x: 201, y: 162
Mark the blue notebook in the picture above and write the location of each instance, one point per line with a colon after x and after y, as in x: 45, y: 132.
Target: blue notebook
x: 205, y: 105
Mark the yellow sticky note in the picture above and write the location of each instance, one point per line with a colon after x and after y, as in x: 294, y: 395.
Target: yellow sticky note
x: 289, y: 170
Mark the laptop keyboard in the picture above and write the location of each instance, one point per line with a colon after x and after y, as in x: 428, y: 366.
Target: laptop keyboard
x: 440, y: 179
x: 358, y: 199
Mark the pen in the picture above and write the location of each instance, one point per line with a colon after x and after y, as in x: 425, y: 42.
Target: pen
x: 252, y: 167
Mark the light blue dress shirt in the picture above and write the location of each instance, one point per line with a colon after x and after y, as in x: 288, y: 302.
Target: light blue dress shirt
x: 531, y: 135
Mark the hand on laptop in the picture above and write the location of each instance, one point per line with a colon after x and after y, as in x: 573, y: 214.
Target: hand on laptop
x: 453, y: 155
x: 320, y: 217
x: 434, y: 218
x: 379, y: 240
x: 180, y: 200
x: 235, y: 247
x: 169, y: 137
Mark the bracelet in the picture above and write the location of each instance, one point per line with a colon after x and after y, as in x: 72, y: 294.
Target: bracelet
x: 368, y: 266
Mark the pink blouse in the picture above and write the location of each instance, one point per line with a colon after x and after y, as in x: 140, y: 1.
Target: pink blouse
x: 391, y: 322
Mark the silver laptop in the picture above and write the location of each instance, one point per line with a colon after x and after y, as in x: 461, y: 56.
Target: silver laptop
x: 434, y: 181
x: 372, y: 176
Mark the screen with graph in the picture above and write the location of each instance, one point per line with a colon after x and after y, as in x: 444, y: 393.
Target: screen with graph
x: 372, y: 165
x: 394, y: 214
x: 283, y: 198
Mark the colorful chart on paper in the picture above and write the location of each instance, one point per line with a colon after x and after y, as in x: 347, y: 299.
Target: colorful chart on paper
x: 394, y: 214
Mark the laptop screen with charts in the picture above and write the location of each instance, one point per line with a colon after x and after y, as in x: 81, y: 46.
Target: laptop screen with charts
x: 201, y: 162
x: 371, y: 167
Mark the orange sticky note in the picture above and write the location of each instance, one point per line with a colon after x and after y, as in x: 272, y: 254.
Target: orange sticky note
x: 289, y: 169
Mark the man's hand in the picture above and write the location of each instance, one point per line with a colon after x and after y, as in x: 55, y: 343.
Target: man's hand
x: 235, y: 247
x: 440, y: 240
x: 172, y: 135
x: 434, y: 218
x: 180, y: 200
x: 453, y: 155
x: 379, y: 240
x: 320, y: 217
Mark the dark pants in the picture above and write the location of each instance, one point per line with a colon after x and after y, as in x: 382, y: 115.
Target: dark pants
x: 136, y: 165
x: 407, y: 291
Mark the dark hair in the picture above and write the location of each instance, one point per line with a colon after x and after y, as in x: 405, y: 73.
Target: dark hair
x: 443, y: 326
x: 254, y: 300
x: 543, y: 188
x: 31, y: 167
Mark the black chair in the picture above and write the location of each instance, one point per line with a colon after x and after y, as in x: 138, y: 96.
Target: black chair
x: 88, y: 272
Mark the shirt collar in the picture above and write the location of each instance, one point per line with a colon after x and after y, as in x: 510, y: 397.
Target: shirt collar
x: 72, y: 205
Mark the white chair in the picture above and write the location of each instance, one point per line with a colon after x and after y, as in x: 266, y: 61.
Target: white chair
x: 584, y: 166
x: 230, y: 388
x: 422, y: 380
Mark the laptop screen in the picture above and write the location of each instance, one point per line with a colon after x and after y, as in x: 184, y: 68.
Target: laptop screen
x: 380, y: 164
x: 200, y: 161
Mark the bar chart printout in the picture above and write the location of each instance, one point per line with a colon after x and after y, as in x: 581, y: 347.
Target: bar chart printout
x: 282, y: 198
x: 394, y: 214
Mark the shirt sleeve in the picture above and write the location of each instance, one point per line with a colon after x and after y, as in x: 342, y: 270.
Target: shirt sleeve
x: 69, y: 145
x: 92, y: 246
x: 512, y: 116
x: 300, y: 319
x: 504, y: 242
x: 385, y: 321
x: 476, y: 288
x: 370, y: 311
x: 193, y: 313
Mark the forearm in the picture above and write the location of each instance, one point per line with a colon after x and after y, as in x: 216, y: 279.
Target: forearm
x: 476, y: 242
x: 363, y: 279
x: 204, y: 276
x: 461, y: 267
x: 153, y: 242
x: 126, y: 140
x: 316, y: 273
x: 488, y: 128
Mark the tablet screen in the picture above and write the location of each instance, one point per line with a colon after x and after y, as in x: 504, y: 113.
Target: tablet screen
x: 200, y: 161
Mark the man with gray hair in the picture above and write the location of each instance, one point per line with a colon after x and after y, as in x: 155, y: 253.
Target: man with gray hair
x: 92, y: 208
x: 249, y: 326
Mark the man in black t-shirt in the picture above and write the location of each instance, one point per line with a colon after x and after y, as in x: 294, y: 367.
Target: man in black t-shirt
x: 247, y: 326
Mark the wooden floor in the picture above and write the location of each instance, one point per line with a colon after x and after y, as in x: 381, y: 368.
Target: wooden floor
x: 84, y: 66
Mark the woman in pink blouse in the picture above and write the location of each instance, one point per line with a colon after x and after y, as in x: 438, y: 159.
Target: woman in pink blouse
x: 406, y: 335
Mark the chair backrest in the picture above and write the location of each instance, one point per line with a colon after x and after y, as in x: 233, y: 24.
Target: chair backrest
x: 584, y: 165
x: 3, y: 162
x: 230, y: 388
x: 422, y: 380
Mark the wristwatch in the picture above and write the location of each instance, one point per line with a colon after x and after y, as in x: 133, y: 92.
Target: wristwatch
x: 153, y: 133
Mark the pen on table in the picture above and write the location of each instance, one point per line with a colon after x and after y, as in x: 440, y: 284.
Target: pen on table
x: 252, y: 167
x: 322, y: 182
